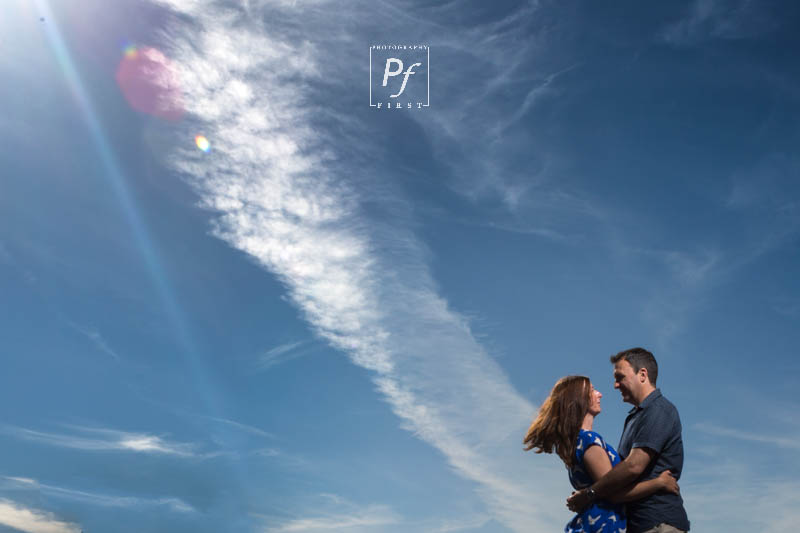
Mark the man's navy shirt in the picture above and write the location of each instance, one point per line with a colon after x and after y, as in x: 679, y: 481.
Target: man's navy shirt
x: 655, y: 424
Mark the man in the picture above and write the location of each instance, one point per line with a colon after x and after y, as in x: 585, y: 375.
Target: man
x: 651, y: 443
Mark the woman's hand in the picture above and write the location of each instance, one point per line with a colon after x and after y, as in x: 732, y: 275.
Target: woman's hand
x: 578, y: 501
x: 668, y: 482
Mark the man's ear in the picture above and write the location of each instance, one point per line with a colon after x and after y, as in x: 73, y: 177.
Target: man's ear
x: 643, y: 377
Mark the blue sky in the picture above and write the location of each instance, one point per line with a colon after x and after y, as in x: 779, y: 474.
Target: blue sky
x: 342, y: 318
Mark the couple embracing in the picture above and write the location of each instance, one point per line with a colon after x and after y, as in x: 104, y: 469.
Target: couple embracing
x: 632, y: 489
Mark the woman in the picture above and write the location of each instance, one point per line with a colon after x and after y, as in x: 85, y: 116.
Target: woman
x: 564, y: 425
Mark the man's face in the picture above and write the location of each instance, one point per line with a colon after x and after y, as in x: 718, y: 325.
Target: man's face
x: 626, y: 381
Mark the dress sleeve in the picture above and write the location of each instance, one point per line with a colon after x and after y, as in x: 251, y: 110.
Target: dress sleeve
x: 587, y: 439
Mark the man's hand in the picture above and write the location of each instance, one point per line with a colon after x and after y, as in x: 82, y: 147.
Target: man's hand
x: 579, y: 501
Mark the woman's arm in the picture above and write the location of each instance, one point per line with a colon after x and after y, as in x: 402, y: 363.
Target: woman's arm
x: 598, y: 464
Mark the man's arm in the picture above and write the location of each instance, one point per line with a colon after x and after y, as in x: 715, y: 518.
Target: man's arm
x: 665, y: 482
x: 618, y: 479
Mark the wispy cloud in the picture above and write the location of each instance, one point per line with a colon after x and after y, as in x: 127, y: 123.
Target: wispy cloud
x: 709, y: 508
x: 13, y: 483
x: 739, y: 434
x: 461, y: 524
x: 370, y: 517
x: 483, y: 141
x: 764, y: 200
x: 98, y: 439
x: 283, y: 458
x: 511, y: 172
x: 331, y: 512
x: 94, y: 498
x: 284, y: 353
x: 246, y: 428
x: 30, y: 520
x: 716, y: 19
x: 334, y: 513
x: 284, y: 196
x: 678, y: 282
x: 692, y: 268
x: 534, y: 95
x: 96, y: 339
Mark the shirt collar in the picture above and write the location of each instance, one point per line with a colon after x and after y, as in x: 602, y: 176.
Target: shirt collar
x: 647, y: 401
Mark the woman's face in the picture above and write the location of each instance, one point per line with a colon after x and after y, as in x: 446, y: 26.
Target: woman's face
x: 594, y: 401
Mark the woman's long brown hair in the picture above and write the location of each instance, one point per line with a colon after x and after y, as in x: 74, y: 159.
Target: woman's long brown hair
x: 559, y: 420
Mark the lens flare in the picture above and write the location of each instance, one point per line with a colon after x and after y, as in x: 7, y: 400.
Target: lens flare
x: 202, y: 143
x: 149, y: 81
x: 130, y: 51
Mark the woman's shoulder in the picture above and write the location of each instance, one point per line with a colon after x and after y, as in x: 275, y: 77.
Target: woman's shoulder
x: 588, y: 438
x: 589, y: 434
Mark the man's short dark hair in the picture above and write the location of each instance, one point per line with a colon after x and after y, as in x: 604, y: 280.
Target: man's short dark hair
x: 639, y: 358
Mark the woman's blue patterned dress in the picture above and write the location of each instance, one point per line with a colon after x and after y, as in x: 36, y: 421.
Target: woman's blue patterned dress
x: 602, y: 516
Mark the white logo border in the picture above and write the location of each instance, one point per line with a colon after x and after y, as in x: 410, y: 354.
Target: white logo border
x: 428, y: 65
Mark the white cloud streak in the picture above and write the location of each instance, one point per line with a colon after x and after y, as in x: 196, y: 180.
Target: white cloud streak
x: 94, y: 498
x: 98, y: 439
x: 534, y: 95
x: 283, y: 353
x: 30, y: 520
x: 335, y: 513
x: 246, y: 428
x: 363, y: 286
x: 361, y: 520
x: 775, y: 440
x: 99, y: 342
